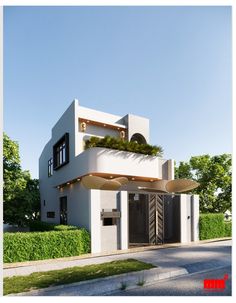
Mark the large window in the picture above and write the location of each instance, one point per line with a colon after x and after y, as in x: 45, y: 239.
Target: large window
x: 50, y: 167
x: 61, y: 152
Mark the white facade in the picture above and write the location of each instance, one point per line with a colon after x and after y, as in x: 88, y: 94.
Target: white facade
x: 84, y: 207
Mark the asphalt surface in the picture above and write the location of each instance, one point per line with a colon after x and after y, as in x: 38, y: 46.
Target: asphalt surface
x: 163, y: 257
x: 189, y: 285
x: 202, y: 261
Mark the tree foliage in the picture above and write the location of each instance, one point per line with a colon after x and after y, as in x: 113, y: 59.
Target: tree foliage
x: 215, y: 177
x: 20, y: 192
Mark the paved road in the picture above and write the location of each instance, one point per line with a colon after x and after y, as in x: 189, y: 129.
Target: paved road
x: 166, y: 257
x: 194, y: 258
x: 189, y: 285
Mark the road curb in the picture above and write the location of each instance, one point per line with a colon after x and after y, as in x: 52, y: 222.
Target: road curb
x: 110, y: 284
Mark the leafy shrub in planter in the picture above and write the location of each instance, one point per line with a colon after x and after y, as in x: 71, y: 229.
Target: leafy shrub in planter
x: 29, y: 246
x: 119, y: 144
x: 211, y: 226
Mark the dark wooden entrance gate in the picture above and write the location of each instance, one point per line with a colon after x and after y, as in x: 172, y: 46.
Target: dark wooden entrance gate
x: 146, y: 219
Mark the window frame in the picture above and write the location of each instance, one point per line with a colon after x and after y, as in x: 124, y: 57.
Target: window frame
x: 61, y: 152
x: 51, y: 214
x: 50, y: 167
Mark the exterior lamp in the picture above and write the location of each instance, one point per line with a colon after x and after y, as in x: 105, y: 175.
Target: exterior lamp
x: 83, y: 126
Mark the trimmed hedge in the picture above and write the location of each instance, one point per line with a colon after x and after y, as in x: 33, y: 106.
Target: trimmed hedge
x: 29, y: 246
x: 45, y: 226
x: 213, y: 226
x: 228, y: 229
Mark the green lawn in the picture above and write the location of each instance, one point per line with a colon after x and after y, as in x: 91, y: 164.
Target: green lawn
x: 38, y: 280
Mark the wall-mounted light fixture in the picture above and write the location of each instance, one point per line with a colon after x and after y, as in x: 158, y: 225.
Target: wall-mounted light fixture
x: 122, y: 134
x: 83, y: 126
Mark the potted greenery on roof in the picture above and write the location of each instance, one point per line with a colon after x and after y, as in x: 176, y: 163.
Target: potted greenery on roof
x: 119, y: 144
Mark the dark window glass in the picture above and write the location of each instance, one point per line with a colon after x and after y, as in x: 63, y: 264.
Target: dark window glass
x: 63, y: 210
x: 61, y: 152
x: 50, y: 167
x: 50, y: 214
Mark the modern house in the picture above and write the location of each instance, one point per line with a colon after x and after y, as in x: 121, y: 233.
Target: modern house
x: 123, y: 198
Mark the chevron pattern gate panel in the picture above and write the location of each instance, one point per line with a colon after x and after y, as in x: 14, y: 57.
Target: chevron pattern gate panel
x: 159, y: 219
x: 152, y: 219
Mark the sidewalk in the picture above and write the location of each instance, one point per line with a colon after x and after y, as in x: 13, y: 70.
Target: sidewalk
x: 108, y: 285
x: 167, y: 256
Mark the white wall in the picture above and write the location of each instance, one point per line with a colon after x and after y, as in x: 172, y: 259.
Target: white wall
x: 95, y: 220
x: 195, y: 217
x: 124, y: 220
x: 184, y: 228
x: 84, y: 206
x: 110, y: 234
x: 189, y: 218
x: 110, y: 161
x: 77, y: 204
x: 137, y: 124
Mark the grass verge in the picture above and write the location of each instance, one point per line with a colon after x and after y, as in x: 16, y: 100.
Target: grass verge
x: 39, y: 280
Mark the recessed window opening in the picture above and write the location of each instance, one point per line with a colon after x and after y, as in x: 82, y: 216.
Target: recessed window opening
x: 50, y: 214
x: 61, y: 152
x: 50, y: 167
x: 109, y: 221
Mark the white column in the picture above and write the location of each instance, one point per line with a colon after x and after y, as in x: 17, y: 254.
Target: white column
x: 95, y: 220
x: 124, y: 220
x: 183, y: 219
x: 195, y: 217
x: 171, y: 169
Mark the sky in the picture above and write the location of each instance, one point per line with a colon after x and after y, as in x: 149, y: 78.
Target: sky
x: 169, y: 64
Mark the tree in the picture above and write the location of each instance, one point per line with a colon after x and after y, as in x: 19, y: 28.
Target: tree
x: 215, y: 177
x: 20, y: 192
x: 14, y: 180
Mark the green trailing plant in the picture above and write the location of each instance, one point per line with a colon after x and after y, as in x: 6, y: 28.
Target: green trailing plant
x: 119, y: 144
x: 30, y: 246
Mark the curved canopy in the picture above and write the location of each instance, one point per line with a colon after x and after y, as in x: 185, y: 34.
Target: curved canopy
x: 102, y: 183
x: 162, y: 186
x: 171, y: 186
x: 181, y: 185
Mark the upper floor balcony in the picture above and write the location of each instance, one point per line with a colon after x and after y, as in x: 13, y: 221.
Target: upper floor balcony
x: 110, y: 162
